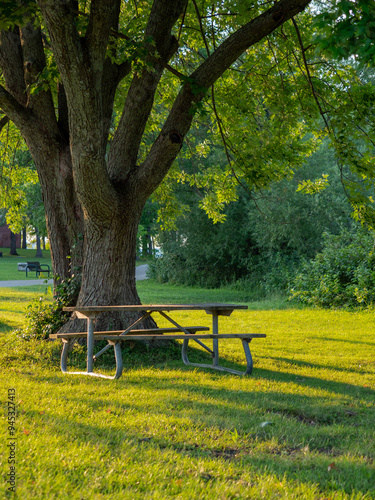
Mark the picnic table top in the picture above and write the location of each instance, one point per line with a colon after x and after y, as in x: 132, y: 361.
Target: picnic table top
x: 209, y: 307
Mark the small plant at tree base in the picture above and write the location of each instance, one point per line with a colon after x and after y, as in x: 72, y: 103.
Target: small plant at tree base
x: 43, y: 318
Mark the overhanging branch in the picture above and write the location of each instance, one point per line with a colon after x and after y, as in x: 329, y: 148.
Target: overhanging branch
x: 3, y: 121
x: 247, y: 36
x: 162, y: 153
x: 20, y: 115
x: 308, y: 75
x: 140, y: 98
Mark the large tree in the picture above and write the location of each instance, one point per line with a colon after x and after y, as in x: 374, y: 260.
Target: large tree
x: 94, y: 179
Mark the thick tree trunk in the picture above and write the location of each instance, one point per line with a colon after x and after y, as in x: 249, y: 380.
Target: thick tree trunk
x: 108, y: 276
x: 24, y: 238
x: 38, y: 247
x: 63, y: 212
x: 13, y: 244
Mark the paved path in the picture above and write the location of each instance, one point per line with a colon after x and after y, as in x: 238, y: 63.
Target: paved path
x: 140, y: 274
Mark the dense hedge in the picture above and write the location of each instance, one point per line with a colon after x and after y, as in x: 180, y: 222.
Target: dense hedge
x: 343, y: 274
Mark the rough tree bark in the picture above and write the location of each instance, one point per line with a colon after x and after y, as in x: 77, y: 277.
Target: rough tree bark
x: 13, y: 244
x: 24, y: 238
x: 21, y: 60
x: 38, y: 247
x: 77, y: 169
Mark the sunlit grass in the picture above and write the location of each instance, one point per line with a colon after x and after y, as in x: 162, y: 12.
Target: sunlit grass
x: 301, y: 427
x: 9, y: 268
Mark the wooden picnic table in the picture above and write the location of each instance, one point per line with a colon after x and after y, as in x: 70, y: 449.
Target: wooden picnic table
x: 177, y: 332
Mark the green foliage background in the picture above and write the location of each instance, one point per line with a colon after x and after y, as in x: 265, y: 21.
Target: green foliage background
x: 343, y: 274
x: 267, y: 237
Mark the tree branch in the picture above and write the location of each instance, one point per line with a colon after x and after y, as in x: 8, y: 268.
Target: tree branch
x: 251, y: 33
x: 68, y: 51
x: 308, y: 76
x: 19, y: 115
x: 125, y: 145
x: 41, y: 102
x: 3, y: 121
x: 83, y: 85
x: 201, y: 27
x: 164, y: 150
x: 11, y: 64
x: 103, y: 19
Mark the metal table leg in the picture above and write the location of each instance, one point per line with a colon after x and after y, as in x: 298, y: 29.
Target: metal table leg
x: 249, y: 360
x: 215, y: 342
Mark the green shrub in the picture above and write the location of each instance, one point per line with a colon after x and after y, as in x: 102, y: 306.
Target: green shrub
x: 343, y: 274
x: 44, y: 318
x: 263, y: 276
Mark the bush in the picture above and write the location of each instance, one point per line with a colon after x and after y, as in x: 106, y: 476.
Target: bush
x: 264, y: 276
x: 342, y: 275
x: 43, y: 318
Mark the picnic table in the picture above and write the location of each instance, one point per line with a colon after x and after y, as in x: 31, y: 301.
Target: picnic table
x: 177, y: 332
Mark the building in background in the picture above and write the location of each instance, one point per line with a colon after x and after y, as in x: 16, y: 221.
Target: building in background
x: 5, y: 237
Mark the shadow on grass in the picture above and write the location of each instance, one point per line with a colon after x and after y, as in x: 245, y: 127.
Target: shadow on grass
x: 6, y: 327
x: 307, y: 364
x: 212, y: 410
x: 327, y: 339
x: 169, y: 357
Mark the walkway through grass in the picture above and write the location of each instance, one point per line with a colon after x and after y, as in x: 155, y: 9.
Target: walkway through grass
x: 302, y: 426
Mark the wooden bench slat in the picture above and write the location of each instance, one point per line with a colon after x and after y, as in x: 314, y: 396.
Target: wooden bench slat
x: 141, y: 331
x: 182, y: 336
x: 154, y: 331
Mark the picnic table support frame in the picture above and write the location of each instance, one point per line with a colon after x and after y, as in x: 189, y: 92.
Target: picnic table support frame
x: 215, y: 342
x: 215, y: 365
x: 99, y: 353
x: 90, y: 345
x: 90, y: 354
x: 116, y: 344
x: 184, y: 330
x: 118, y: 357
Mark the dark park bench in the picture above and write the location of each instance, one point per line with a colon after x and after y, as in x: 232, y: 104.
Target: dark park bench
x: 38, y: 268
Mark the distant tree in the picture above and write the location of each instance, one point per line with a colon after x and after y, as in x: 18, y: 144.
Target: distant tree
x: 20, y: 193
x: 13, y: 244
x: 265, y: 235
x: 24, y: 238
x: 147, y: 229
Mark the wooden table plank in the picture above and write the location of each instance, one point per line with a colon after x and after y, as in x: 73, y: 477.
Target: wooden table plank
x: 157, y: 307
x: 159, y: 336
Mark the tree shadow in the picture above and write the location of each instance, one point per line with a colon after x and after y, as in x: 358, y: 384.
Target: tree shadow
x: 211, y: 410
x: 169, y: 357
x: 328, y: 339
x: 308, y: 364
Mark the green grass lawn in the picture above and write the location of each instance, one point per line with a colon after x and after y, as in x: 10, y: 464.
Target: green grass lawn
x: 8, y: 264
x: 301, y: 427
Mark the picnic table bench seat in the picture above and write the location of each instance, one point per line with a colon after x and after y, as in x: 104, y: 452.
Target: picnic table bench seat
x: 115, y: 339
x: 138, y: 332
